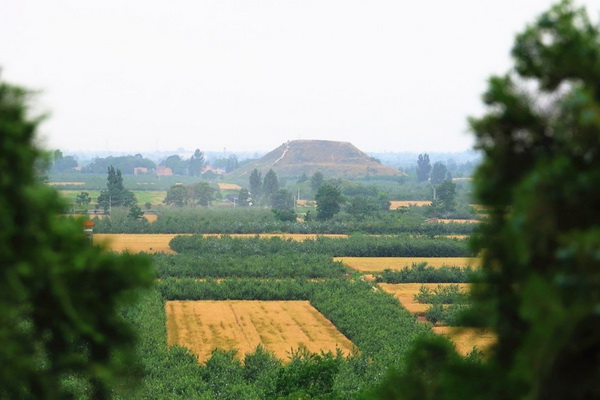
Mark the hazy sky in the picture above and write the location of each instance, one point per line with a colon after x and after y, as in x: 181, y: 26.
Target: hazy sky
x: 386, y: 75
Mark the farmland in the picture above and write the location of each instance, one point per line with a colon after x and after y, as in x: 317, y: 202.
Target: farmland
x: 379, y: 264
x: 279, y: 326
x: 269, y: 301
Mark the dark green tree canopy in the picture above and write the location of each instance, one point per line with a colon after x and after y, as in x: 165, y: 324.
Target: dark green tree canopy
x: 203, y: 194
x: 60, y: 297
x: 539, y: 182
x: 177, y: 195
x: 329, y: 200
x: 116, y: 194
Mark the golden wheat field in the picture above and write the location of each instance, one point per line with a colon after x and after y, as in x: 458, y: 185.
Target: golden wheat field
x: 396, y: 204
x: 65, y: 183
x: 465, y: 339
x: 229, y: 186
x: 159, y: 242
x: 136, y: 243
x: 405, y: 293
x: 379, y: 264
x: 279, y: 326
x: 458, y: 221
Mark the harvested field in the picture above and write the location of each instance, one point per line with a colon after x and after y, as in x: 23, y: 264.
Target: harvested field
x: 394, y: 205
x: 405, y: 293
x: 65, y: 183
x: 229, y: 186
x: 280, y: 326
x: 159, y: 242
x: 379, y: 264
x: 465, y: 339
x: 136, y: 243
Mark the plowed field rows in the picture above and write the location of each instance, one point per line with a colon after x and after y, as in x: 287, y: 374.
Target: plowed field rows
x: 280, y: 326
x: 378, y: 264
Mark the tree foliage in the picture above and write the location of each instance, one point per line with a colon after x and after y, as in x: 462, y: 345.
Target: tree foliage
x: 439, y: 173
x: 423, y: 167
x: 59, y: 297
x: 256, y: 184
x: 329, y: 199
x: 196, y: 163
x: 539, y: 183
x: 116, y: 194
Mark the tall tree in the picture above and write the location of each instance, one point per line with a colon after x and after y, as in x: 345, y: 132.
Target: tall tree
x: 256, y: 185
x: 423, y: 167
x: 270, y: 185
x: 539, y: 183
x: 196, y: 163
x: 444, y: 202
x: 244, y: 198
x: 439, y: 173
x: 329, y: 200
x: 316, y: 181
x: 61, y: 323
x: 116, y: 194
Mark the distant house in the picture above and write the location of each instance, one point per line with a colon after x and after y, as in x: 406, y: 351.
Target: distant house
x: 140, y: 170
x: 161, y: 170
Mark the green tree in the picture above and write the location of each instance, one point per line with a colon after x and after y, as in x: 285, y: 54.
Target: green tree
x: 360, y: 206
x: 445, y: 201
x: 329, y: 199
x: 539, y: 183
x: 61, y: 163
x: 60, y: 298
x: 316, y: 181
x: 177, y: 195
x: 177, y: 165
x: 243, y: 198
x: 116, y: 195
x: 270, y: 185
x: 83, y: 199
x: 439, y: 173
x: 423, y: 167
x: 256, y: 185
x: 196, y: 163
x: 203, y: 194
x: 282, y: 203
x: 135, y: 212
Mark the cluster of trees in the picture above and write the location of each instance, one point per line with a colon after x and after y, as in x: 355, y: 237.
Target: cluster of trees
x: 444, y: 190
x: 259, y: 220
x: 126, y: 164
x: 353, y: 246
x: 423, y: 273
x: 279, y: 265
x: 201, y: 193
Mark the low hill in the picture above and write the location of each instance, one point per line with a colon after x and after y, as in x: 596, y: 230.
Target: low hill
x: 332, y: 159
